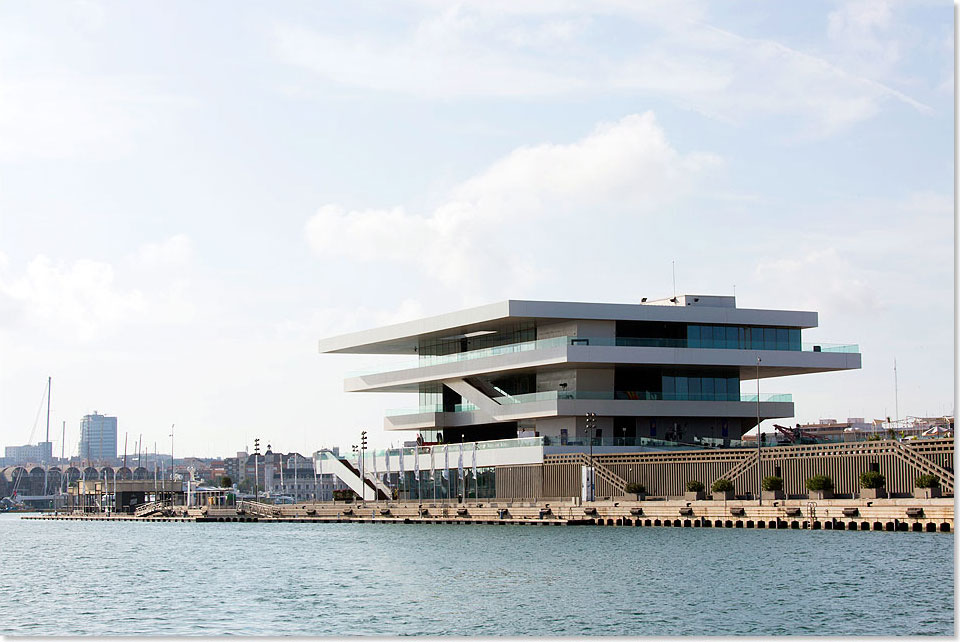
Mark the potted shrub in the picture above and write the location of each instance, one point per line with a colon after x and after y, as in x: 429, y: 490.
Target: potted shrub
x: 772, y: 487
x: 927, y: 486
x: 694, y: 491
x: 722, y: 489
x: 872, y: 485
x: 639, y: 491
x: 820, y: 487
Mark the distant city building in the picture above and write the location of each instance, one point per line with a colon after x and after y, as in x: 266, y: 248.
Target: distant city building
x: 41, y: 453
x: 291, y: 475
x: 217, y: 470
x: 233, y: 466
x: 98, y: 438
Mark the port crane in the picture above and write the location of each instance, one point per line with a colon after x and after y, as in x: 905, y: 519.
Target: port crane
x: 796, y: 435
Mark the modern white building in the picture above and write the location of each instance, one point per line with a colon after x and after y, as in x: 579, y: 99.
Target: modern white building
x: 680, y: 370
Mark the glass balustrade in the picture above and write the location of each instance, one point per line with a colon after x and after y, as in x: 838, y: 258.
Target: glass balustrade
x: 619, y: 395
x: 626, y: 342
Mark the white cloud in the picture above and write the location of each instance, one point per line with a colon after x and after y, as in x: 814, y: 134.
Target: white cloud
x: 859, y: 30
x: 174, y: 251
x: 82, y: 296
x: 86, y: 299
x: 824, y: 280
x: 875, y: 256
x: 488, y: 228
x: 472, y: 51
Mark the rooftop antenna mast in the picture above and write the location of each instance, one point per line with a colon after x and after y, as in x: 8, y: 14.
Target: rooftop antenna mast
x: 673, y: 266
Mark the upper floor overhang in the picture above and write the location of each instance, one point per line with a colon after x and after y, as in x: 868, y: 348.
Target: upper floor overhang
x: 404, y: 338
x: 773, y: 363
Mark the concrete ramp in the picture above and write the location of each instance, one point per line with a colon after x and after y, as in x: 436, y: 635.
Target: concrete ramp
x: 349, y: 475
x: 475, y: 396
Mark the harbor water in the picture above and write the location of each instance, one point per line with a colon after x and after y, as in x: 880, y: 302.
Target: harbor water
x: 117, y: 578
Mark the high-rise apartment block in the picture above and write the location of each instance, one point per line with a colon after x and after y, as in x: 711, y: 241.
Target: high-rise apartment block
x: 98, y: 438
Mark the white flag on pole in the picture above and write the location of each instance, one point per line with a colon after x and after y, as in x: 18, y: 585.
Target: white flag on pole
x: 474, y: 461
x: 446, y: 461
x: 416, y: 468
x: 460, y: 467
x: 433, y: 475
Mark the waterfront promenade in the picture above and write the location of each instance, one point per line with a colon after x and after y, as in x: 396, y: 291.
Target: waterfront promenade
x: 901, y: 514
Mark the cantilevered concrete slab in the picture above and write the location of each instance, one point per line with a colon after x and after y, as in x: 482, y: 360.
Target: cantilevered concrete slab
x: 403, y: 338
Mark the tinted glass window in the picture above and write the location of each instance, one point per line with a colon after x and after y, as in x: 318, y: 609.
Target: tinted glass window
x: 794, y: 338
x: 708, y: 388
x: 731, y: 336
x: 693, y: 336
x: 733, y: 389
x: 783, y: 339
x: 769, y: 338
x: 669, y: 387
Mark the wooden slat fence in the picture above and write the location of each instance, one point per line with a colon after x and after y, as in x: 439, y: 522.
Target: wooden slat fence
x: 667, y: 473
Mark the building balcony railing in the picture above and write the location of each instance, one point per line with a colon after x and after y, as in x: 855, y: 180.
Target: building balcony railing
x: 626, y: 342
x: 453, y: 450
x: 619, y: 395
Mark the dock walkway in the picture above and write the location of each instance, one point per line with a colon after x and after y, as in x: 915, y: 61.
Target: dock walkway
x: 916, y: 515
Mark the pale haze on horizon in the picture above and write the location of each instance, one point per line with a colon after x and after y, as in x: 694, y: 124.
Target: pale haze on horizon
x: 192, y: 194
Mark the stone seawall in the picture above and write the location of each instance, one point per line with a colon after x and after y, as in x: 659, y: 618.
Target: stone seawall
x: 915, y: 515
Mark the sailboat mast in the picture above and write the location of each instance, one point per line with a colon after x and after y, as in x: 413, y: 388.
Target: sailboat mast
x: 46, y: 458
x: 63, y: 464
x: 49, y: 383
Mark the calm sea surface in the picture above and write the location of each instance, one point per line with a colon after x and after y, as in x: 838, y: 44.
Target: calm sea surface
x: 112, y: 578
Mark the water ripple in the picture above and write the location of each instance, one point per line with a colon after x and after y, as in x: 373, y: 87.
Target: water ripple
x: 112, y: 578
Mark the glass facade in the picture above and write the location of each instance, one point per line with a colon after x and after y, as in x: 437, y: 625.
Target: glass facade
x: 743, y: 337
x: 444, y: 484
x: 712, y: 386
x: 677, y: 384
x: 516, y: 333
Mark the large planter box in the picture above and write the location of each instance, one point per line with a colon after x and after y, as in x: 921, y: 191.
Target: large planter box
x: 820, y: 494
x: 722, y: 495
x: 770, y: 495
x: 926, y: 493
x: 873, y: 493
x: 692, y: 497
x: 635, y: 497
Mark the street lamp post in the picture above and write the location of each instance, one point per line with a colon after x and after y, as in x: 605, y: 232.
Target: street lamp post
x: 256, y: 469
x: 363, y: 457
x: 759, y: 479
x: 355, y: 449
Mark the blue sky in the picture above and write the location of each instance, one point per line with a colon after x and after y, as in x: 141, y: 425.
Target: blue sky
x: 192, y: 194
